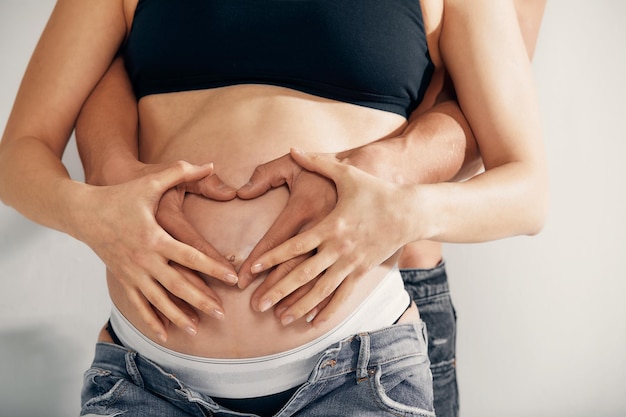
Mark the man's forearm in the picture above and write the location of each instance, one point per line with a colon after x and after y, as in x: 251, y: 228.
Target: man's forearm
x: 443, y: 145
x: 106, y: 129
x: 436, y: 145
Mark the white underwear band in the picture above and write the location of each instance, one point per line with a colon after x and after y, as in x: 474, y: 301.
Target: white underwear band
x: 266, y: 375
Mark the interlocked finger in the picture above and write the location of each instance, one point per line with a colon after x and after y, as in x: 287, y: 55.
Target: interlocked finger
x: 147, y: 313
x: 157, y: 293
x: 209, y: 303
x: 292, y: 248
x: 195, y: 260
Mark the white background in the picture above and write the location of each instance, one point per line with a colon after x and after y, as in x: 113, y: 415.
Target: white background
x: 542, y: 327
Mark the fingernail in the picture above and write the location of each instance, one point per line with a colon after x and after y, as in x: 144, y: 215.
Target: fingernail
x: 256, y: 268
x: 162, y: 337
x: 309, y: 317
x: 191, y: 330
x: 243, y: 282
x: 297, y: 150
x: 248, y: 184
x: 287, y: 320
x: 231, y: 278
x: 265, y: 305
x: 218, y: 314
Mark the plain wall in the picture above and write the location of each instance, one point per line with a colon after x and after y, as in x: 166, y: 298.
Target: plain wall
x: 541, y: 319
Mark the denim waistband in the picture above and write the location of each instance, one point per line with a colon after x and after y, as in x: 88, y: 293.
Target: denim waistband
x: 353, y: 357
x: 368, y: 350
x: 415, y: 275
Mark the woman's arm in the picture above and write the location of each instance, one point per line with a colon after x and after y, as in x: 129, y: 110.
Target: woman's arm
x: 439, y: 133
x: 529, y: 16
x: 75, y: 49
x: 56, y: 82
x: 493, y: 79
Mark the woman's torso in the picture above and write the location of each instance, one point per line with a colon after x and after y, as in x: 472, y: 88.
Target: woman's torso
x: 239, y: 127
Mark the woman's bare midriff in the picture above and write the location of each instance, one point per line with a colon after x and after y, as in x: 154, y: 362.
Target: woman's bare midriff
x: 238, y: 128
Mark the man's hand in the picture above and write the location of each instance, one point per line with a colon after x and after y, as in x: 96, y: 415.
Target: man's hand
x: 311, y: 198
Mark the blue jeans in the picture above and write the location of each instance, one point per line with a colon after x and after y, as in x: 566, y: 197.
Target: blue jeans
x: 385, y: 372
x: 429, y: 289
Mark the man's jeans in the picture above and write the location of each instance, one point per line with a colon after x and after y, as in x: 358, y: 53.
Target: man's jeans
x: 429, y: 289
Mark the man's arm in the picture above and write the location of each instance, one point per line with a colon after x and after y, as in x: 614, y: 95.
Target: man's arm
x: 107, y: 130
x: 437, y: 145
x: 106, y: 135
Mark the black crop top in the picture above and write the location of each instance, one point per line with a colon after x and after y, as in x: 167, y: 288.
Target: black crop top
x: 367, y: 52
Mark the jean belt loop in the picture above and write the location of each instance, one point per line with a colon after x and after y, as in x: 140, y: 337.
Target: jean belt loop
x: 133, y: 370
x: 424, y: 332
x: 364, y: 358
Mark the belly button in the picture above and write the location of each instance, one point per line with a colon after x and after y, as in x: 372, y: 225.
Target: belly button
x: 235, y: 259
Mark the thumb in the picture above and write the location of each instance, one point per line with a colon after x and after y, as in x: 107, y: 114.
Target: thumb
x: 180, y: 172
x: 324, y: 164
x: 211, y: 187
x: 269, y: 175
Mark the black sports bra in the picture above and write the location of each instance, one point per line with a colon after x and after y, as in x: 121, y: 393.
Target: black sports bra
x: 367, y: 52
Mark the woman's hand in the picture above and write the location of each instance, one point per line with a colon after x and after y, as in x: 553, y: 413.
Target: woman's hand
x: 368, y: 225
x: 153, y: 267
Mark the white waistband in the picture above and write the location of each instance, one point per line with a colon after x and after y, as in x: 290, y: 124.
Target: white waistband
x: 266, y: 375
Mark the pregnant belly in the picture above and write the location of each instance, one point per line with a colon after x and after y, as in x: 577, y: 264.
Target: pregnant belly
x: 238, y: 135
x: 234, y: 228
